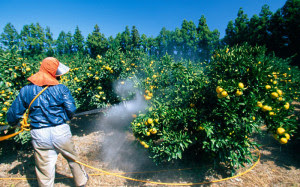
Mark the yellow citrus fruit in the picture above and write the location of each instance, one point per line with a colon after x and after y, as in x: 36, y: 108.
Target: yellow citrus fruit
x: 192, y: 105
x: 224, y: 93
x: 1, y: 115
x: 283, y: 140
x: 156, y: 120
x: 253, y: 118
x: 241, y: 85
x: 219, y: 89
x: 274, y: 95
x: 287, y: 136
x: 148, y: 133
x: 279, y: 92
x: 265, y: 108
x: 268, y: 87
x: 259, y: 104
x: 238, y: 93
x: 271, y: 113
x: 200, y: 128
x: 280, y: 130
x: 280, y: 98
x: 153, y: 131
x: 146, y: 146
x: 286, y: 106
x: 274, y: 82
x: 28, y: 69
x: 147, y: 97
x: 150, y: 120
x: 4, y: 109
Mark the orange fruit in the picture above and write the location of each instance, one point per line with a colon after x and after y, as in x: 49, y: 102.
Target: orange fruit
x: 147, y: 97
x: 241, y: 85
x: 238, y: 93
x: 271, y: 113
x: 219, y: 89
x: 153, y: 131
x: 259, y: 104
x: 274, y: 95
x: 283, y: 140
x: 224, y: 93
x: 280, y: 130
x: 286, y: 106
x: 287, y: 136
x: 268, y: 87
x: 279, y: 92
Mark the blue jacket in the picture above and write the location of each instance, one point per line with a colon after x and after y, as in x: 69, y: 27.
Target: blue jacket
x: 53, y: 107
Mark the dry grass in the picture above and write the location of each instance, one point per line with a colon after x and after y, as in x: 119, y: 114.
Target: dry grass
x: 279, y: 164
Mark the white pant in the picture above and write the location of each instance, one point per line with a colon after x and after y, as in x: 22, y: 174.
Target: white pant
x: 47, y: 143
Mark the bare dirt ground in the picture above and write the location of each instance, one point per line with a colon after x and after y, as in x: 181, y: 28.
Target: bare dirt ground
x: 279, y: 164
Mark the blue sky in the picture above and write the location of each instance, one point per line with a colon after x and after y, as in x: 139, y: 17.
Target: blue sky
x: 112, y: 16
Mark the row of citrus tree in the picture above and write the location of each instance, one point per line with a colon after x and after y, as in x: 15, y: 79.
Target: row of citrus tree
x: 194, y: 107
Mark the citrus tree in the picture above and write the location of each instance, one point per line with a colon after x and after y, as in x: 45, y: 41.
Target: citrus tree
x: 217, y: 107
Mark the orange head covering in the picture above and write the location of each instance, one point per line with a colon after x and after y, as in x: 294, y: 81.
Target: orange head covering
x: 47, y: 73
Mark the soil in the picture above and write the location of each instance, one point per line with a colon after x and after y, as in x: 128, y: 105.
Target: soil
x: 106, y: 149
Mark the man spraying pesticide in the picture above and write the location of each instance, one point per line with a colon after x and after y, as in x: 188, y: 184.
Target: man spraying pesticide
x: 50, y: 105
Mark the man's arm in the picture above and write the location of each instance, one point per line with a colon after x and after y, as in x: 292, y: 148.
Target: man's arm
x: 68, y: 103
x: 16, y: 110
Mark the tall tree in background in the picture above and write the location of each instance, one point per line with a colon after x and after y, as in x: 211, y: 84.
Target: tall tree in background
x: 32, y: 40
x: 207, y: 40
x: 125, y: 40
x: 259, y: 26
x: 152, y: 46
x: 229, y: 34
x: 49, y: 42
x: 115, y: 43
x: 291, y: 20
x: 135, y: 38
x: 277, y: 40
x: 96, y: 42
x: 64, y: 43
x: 60, y: 43
x: 189, y: 37
x: 163, y: 42
x: 144, y: 43
x: 78, y: 41
x: 177, y: 40
x: 9, y: 37
x: 241, y: 27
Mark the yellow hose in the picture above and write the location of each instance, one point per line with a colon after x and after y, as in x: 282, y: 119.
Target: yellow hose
x: 152, y: 182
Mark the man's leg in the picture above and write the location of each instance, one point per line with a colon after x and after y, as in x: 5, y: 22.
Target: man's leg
x: 63, y: 143
x: 45, y: 157
x: 45, y: 166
